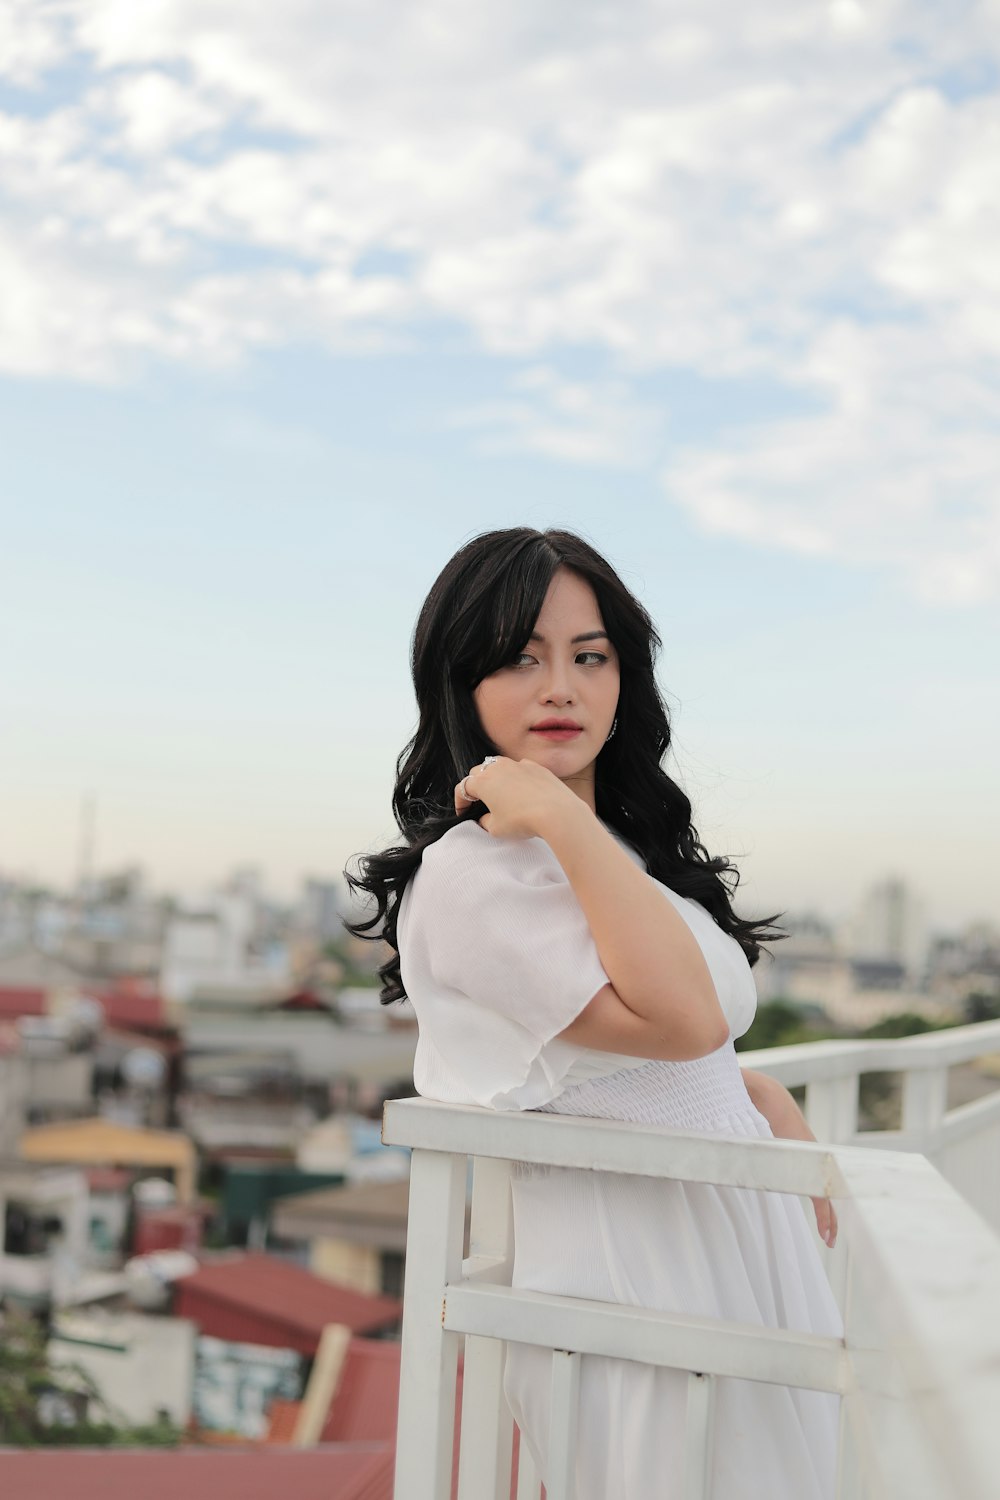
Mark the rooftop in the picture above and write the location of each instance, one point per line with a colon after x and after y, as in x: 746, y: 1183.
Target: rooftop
x: 265, y: 1300
x: 360, y: 1471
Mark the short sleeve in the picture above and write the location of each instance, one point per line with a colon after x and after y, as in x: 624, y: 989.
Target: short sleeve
x: 497, y: 958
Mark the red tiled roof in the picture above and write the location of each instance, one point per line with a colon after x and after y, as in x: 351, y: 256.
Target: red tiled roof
x: 125, y: 1003
x: 259, y: 1299
x: 362, y: 1472
x: 366, y: 1402
x: 365, y: 1405
x: 22, y: 1000
x: 128, y: 1009
x: 282, y: 1419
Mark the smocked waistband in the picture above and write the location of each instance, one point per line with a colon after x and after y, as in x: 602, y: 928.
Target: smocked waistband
x: 696, y: 1094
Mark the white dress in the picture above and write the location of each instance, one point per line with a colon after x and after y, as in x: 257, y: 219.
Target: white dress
x: 497, y: 958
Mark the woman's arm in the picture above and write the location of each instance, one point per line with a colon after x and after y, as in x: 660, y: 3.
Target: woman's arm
x: 661, y: 1002
x: 655, y: 963
x: 786, y: 1120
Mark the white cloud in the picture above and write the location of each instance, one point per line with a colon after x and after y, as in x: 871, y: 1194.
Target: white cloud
x: 901, y: 468
x: 156, y: 113
x: 584, y: 423
x: 32, y: 39
x: 773, y: 188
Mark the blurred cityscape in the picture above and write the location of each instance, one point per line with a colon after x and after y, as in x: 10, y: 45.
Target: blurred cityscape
x: 195, y: 1198
x: 193, y: 1189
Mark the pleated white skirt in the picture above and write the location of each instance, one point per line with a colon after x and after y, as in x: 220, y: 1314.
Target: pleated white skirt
x: 733, y: 1253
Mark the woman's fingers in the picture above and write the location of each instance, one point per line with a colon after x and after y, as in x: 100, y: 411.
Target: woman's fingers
x: 826, y: 1220
x: 465, y: 794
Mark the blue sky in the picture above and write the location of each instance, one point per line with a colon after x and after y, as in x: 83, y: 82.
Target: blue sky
x: 269, y: 354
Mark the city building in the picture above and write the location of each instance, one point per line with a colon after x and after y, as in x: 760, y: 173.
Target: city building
x: 890, y: 926
x: 230, y: 948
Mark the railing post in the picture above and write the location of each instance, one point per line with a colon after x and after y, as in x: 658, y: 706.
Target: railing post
x: 484, y: 1460
x: 849, y: 1466
x: 425, y: 1433
x: 831, y: 1111
x: 849, y: 1482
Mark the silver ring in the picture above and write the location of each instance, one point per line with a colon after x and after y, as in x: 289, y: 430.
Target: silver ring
x: 490, y: 760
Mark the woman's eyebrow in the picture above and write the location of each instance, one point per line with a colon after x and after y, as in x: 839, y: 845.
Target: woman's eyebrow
x: 591, y: 635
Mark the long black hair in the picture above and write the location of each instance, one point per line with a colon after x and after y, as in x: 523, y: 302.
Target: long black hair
x: 476, y: 618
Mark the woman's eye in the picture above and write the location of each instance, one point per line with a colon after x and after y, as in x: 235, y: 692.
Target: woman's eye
x: 592, y: 657
x: 523, y: 658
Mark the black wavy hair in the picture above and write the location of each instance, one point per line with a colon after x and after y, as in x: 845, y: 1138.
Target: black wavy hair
x: 476, y: 618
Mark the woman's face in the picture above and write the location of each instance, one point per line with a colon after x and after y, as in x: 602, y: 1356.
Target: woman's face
x: 567, y: 672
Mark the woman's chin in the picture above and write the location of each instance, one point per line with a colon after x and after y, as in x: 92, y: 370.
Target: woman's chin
x: 561, y: 760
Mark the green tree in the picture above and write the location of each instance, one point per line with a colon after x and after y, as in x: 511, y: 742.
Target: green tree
x: 903, y: 1023
x: 980, y: 1006
x: 780, y: 1023
x: 357, y: 971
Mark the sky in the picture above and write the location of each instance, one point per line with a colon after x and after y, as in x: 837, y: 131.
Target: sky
x: 295, y: 300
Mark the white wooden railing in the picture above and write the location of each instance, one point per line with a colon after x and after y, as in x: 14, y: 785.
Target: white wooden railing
x: 963, y: 1143
x: 916, y: 1271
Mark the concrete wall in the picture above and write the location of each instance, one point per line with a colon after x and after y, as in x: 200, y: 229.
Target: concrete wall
x: 13, y: 1102
x: 139, y: 1363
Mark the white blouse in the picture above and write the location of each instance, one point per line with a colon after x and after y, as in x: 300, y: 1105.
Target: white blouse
x: 497, y: 958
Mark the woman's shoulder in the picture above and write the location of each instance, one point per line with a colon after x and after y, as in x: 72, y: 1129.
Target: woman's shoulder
x: 461, y: 838
x: 468, y: 872
x: 469, y: 839
x: 469, y: 851
x: 468, y: 844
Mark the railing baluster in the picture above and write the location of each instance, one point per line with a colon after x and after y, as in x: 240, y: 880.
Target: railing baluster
x: 560, y: 1483
x: 698, y: 1435
x: 429, y: 1356
x: 832, y: 1107
x: 529, y: 1486
x: 487, y: 1425
x: 484, y: 1457
x: 925, y: 1097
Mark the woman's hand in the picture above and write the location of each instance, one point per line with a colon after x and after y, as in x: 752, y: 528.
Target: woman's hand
x: 786, y: 1120
x: 826, y: 1220
x: 520, y: 795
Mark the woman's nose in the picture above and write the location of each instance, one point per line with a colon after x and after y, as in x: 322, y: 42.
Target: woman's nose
x: 556, y: 688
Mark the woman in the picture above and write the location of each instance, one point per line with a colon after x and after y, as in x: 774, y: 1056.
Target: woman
x: 569, y: 947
